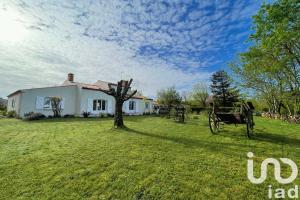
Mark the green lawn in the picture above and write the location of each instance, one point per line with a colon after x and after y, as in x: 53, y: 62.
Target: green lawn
x: 155, y: 158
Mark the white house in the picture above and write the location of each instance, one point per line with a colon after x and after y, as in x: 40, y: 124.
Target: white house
x: 76, y: 99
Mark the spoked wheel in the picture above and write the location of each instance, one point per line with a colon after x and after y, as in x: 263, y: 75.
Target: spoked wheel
x: 250, y: 125
x: 214, y: 124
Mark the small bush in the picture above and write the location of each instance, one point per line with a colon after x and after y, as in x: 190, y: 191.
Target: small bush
x: 102, y: 115
x: 28, y: 114
x: 50, y: 116
x: 257, y: 114
x: 265, y: 110
x: 34, y: 116
x: 86, y: 114
x: 3, y: 112
x: 69, y: 116
x: 11, y: 114
x: 110, y: 115
x: 195, y: 117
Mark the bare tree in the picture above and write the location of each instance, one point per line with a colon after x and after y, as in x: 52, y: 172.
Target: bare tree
x: 200, y: 94
x: 120, y: 93
x: 56, y: 106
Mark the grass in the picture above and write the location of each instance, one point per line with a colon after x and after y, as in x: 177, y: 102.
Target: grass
x: 154, y: 158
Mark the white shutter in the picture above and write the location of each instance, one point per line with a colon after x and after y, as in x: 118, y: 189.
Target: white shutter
x: 109, y: 106
x: 124, y: 107
x: 127, y: 107
x: 62, y: 103
x: 137, y: 106
x: 90, y: 105
x: 39, y: 103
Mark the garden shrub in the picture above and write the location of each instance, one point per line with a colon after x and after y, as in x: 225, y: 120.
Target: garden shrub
x: 34, y: 116
x: 86, y: 114
x: 110, y: 115
x: 69, y: 116
x: 11, y: 114
x: 3, y: 112
x: 195, y: 117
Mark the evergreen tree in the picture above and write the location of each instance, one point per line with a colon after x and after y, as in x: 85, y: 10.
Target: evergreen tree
x: 223, y: 93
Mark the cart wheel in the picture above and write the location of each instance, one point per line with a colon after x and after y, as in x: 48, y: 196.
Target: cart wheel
x: 250, y: 125
x: 214, y: 124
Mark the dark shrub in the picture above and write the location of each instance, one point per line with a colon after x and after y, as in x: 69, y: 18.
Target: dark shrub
x: 86, y: 114
x: 69, y: 116
x: 34, y: 116
x: 57, y: 116
x: 28, y: 114
x: 110, y: 115
x: 11, y: 114
x: 257, y: 113
x: 3, y: 112
x: 50, y: 116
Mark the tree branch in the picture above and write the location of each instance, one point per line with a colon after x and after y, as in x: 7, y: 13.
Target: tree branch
x: 131, y: 95
x: 126, y: 87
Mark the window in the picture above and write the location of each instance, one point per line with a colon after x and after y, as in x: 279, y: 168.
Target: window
x: 13, y: 103
x: 99, y: 104
x: 95, y: 104
x: 147, y: 105
x: 131, y: 105
x: 103, y: 104
x: 47, y: 102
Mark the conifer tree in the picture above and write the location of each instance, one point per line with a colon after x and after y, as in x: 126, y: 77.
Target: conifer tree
x: 223, y: 93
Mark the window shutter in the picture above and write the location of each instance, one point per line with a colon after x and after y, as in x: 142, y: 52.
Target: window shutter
x: 123, y: 106
x: 90, y: 105
x: 62, y: 103
x: 137, y: 106
x: 126, y: 106
x: 39, y: 103
x: 109, y: 106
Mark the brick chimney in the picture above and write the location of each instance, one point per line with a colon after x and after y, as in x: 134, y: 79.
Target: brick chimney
x: 70, y: 77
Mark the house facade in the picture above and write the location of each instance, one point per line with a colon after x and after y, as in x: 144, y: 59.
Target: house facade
x: 76, y: 99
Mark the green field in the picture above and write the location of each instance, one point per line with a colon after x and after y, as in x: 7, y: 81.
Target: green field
x: 155, y: 158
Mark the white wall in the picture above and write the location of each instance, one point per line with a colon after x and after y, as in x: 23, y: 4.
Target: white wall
x: 85, y: 95
x: 75, y: 101
x: 17, y: 101
x: 29, y: 98
x: 140, y: 107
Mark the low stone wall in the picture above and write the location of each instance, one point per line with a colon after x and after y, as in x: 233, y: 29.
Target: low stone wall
x: 289, y: 118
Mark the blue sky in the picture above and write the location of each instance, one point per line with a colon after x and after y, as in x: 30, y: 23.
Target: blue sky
x: 157, y: 43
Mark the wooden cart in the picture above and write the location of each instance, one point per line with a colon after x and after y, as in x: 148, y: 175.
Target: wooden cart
x: 241, y: 113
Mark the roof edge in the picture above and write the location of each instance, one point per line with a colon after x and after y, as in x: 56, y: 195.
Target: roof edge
x: 22, y: 90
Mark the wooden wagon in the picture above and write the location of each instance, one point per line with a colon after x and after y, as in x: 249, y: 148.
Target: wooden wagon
x: 241, y: 113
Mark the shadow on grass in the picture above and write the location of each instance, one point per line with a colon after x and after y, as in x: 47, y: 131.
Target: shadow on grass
x: 225, y: 148
x: 261, y: 136
x: 264, y: 136
x: 75, y: 119
x: 89, y: 119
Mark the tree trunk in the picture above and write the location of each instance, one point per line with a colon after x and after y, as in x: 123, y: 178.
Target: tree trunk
x: 118, y: 121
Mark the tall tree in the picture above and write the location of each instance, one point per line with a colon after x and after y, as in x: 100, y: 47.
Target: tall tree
x: 271, y: 66
x: 169, y: 97
x: 200, y: 94
x: 122, y: 92
x: 223, y: 93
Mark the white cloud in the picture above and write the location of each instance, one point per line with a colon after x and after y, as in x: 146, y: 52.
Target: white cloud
x: 103, y: 40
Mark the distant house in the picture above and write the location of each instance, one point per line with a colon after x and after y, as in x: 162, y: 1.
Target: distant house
x: 3, y: 102
x: 76, y: 99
